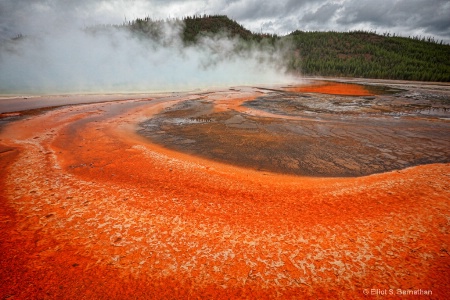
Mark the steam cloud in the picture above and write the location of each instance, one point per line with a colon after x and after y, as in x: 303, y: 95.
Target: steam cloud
x: 112, y: 59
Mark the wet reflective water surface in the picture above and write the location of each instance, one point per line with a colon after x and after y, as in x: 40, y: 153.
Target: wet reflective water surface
x: 322, y: 129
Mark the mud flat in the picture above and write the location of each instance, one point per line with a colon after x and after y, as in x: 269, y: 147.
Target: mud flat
x: 321, y: 129
x: 123, y: 200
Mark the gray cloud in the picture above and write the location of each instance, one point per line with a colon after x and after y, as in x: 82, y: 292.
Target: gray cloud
x: 326, y: 12
x: 405, y: 17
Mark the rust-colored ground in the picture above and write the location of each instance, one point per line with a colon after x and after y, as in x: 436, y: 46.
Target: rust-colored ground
x: 91, y: 210
x: 333, y: 88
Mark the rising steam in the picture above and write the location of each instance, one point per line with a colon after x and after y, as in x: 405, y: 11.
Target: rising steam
x: 115, y: 59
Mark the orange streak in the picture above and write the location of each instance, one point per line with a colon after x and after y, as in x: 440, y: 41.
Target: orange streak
x: 333, y: 88
x: 91, y: 210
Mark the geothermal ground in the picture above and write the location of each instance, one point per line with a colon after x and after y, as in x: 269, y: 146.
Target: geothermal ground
x: 322, y: 190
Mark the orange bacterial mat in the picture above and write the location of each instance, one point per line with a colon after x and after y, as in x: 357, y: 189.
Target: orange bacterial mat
x: 91, y: 210
x: 332, y: 88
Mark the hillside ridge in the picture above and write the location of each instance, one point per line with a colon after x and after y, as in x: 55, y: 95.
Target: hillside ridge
x: 363, y: 54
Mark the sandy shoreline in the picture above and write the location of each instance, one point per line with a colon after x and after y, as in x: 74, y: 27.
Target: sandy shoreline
x: 91, y: 209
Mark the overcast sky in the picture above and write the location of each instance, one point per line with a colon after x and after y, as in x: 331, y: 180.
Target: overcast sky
x: 403, y: 17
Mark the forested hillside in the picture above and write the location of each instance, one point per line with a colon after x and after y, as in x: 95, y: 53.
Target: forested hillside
x: 214, y: 25
x: 365, y: 54
x: 348, y: 54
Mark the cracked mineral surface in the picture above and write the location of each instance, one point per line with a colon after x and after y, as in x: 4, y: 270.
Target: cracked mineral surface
x: 248, y: 193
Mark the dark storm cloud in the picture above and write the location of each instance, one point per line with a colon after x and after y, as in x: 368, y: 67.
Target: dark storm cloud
x: 385, y: 13
x: 405, y: 17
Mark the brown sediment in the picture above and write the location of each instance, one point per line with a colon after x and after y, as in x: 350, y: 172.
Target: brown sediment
x: 309, y: 135
x: 90, y: 209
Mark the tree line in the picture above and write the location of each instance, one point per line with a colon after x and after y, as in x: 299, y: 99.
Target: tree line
x: 346, y: 54
x: 366, y: 54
